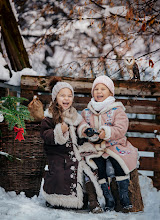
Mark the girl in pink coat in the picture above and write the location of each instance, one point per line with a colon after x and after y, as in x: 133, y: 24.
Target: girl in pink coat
x: 105, y: 124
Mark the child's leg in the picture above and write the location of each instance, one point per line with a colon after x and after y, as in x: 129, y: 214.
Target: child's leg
x: 123, y: 184
x: 103, y: 180
x: 101, y: 164
x: 109, y: 171
x: 123, y: 193
x: 92, y: 196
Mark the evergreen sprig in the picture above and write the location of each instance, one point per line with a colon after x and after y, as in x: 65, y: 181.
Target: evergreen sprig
x: 9, y: 156
x: 14, y: 112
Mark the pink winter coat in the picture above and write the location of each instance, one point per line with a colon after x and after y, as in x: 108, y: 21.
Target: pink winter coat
x: 114, y: 121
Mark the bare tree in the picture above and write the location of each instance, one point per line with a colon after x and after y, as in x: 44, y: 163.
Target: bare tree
x: 87, y: 37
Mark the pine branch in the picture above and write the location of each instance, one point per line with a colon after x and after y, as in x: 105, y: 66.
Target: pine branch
x: 14, y: 112
x: 9, y: 156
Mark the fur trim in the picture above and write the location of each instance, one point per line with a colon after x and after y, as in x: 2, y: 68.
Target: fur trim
x: 107, y: 130
x: 62, y: 200
x: 67, y: 120
x: 90, y: 162
x: 119, y: 160
x: 73, y: 134
x: 59, y: 137
x: 77, y: 154
x: 102, y: 181
x: 72, y: 117
x: 74, y: 141
x: 88, y: 172
x: 69, y: 201
x: 97, y: 121
x: 120, y: 178
x: 87, y: 147
x: 77, y: 121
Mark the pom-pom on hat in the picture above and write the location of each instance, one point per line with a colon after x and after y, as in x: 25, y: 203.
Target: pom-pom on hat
x: 104, y: 80
x: 58, y: 86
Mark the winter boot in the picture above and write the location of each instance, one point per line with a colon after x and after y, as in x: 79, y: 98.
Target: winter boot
x: 123, y: 193
x: 85, y: 201
x: 92, y: 198
x: 110, y: 203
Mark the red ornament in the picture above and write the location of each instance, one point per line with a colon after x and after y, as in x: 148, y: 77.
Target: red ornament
x: 20, y: 132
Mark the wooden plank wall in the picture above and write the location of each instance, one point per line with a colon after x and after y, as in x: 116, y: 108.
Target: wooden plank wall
x: 138, y: 97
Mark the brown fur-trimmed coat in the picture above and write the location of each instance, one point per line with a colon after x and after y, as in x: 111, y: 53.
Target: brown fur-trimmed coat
x: 63, y: 182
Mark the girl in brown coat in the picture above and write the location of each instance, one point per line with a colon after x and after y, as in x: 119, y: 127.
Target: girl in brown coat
x: 63, y: 182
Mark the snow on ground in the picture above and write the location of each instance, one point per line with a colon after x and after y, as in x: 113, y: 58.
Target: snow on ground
x: 19, y: 207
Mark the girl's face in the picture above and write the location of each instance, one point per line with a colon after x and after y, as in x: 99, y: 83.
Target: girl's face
x: 101, y: 92
x: 65, y: 98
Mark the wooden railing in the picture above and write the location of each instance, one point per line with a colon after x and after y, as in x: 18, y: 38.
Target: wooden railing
x: 142, y: 102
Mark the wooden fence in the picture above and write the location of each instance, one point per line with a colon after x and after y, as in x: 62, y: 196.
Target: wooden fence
x: 142, y: 102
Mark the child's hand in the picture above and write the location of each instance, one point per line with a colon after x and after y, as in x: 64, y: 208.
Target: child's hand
x: 102, y: 134
x: 64, y: 127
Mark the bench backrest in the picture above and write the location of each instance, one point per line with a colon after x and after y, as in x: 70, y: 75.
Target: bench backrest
x: 142, y: 102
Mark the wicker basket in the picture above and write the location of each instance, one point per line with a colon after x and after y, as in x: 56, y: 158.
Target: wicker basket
x: 23, y: 176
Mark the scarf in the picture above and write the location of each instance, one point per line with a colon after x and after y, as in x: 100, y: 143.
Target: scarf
x: 71, y: 116
x: 98, y: 106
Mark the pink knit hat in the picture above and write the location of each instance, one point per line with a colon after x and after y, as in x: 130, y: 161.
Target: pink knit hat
x: 58, y: 86
x: 104, y: 80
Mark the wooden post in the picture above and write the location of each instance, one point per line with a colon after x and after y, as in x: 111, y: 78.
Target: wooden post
x: 158, y: 116
x: 134, y: 194
x: 156, y: 181
x: 12, y: 39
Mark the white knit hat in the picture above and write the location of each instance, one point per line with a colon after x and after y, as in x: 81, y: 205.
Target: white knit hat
x: 58, y: 87
x: 104, y: 80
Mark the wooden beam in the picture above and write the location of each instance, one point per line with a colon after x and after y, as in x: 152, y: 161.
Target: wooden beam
x: 156, y: 182
x: 140, y: 88
x: 80, y: 103
x: 141, y: 106
x: 145, y: 144
x: 83, y: 86
x: 149, y: 163
x: 144, y: 126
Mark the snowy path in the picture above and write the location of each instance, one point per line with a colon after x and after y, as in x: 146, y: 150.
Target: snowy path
x: 19, y: 207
